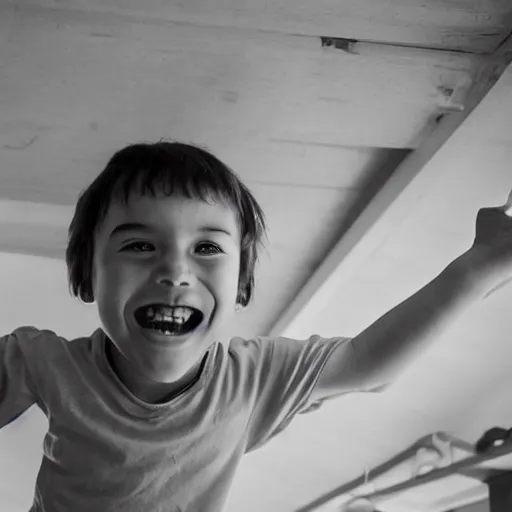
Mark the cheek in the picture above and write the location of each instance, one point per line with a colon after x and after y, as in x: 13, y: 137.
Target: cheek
x: 111, y: 282
x: 226, y: 281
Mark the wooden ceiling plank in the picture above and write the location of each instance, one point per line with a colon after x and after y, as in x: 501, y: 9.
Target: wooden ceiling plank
x: 106, y: 82
x: 384, y: 214
x: 462, y: 24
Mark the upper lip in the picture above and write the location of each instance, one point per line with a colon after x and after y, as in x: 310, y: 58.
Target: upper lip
x: 170, y: 303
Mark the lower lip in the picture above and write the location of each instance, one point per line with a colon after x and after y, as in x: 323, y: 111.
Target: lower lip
x: 165, y: 340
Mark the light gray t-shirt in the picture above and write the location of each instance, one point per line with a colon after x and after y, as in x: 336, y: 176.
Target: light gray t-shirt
x: 106, y: 450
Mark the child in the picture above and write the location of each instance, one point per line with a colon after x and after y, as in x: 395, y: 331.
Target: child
x: 154, y: 411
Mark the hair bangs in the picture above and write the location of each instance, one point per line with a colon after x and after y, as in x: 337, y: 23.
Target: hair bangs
x: 186, y: 174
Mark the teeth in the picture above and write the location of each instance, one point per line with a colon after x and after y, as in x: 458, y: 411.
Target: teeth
x: 175, y: 319
x: 182, y: 312
x: 177, y: 314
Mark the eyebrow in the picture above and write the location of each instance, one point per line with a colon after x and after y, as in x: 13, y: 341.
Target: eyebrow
x: 137, y: 226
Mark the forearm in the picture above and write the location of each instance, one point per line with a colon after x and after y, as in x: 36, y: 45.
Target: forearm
x: 390, y: 344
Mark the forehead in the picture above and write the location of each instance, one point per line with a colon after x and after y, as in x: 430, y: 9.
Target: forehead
x: 175, y: 211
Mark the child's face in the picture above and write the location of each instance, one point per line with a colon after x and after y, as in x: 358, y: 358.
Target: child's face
x: 187, y: 255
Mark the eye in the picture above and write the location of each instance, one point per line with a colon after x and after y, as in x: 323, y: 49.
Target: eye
x: 207, y: 248
x: 136, y: 247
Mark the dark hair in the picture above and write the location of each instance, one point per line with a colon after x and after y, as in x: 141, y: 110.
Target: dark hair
x: 161, y: 167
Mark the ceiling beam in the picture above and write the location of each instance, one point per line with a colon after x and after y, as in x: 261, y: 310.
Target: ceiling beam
x: 384, y: 213
x: 463, y: 25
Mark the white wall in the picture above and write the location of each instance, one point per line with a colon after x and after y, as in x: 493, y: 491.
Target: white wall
x: 35, y: 292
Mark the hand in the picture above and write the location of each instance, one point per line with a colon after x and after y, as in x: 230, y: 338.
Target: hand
x: 491, y: 251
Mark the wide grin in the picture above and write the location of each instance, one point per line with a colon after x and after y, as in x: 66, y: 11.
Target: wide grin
x: 169, y: 320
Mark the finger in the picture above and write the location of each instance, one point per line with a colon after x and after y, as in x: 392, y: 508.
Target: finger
x: 507, y: 207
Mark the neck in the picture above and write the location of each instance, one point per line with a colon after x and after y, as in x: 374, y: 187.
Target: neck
x: 145, y: 389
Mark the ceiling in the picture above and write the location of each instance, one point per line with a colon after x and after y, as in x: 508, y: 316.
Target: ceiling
x: 370, y: 154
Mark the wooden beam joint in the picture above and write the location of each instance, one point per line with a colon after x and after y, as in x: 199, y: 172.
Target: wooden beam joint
x: 340, y: 43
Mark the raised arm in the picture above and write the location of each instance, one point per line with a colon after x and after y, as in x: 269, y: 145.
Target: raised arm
x: 388, y: 346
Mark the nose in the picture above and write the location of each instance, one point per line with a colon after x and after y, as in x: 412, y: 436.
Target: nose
x: 174, y: 272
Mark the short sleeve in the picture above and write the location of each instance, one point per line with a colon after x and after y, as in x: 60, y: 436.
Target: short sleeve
x: 289, y: 373
x: 16, y: 390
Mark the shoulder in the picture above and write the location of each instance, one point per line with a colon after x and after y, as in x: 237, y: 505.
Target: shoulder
x: 283, y: 359
x: 262, y: 347
x: 32, y: 339
x: 29, y: 338
x: 50, y: 360
x: 42, y: 348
